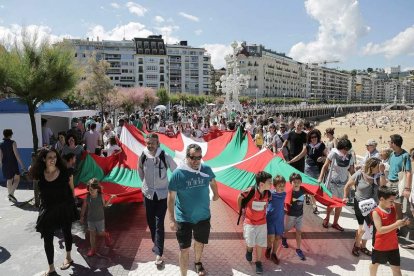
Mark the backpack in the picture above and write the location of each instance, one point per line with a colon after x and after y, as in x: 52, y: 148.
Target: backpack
x: 246, y: 200
x: 143, y: 157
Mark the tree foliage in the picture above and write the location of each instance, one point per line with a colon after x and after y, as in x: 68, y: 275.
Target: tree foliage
x: 36, y: 71
x: 163, y: 97
x: 96, y: 87
x: 132, y: 97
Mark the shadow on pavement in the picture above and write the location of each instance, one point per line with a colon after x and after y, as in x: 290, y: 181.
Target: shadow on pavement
x: 4, y: 254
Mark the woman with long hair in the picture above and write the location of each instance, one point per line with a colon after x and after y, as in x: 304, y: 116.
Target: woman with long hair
x: 366, y: 182
x: 57, y: 208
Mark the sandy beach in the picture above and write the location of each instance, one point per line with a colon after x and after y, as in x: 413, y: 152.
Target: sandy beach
x: 378, y: 125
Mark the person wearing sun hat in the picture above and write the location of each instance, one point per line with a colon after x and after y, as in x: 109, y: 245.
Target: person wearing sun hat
x: 372, y: 151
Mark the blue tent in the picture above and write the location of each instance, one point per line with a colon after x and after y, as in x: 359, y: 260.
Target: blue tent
x: 16, y: 105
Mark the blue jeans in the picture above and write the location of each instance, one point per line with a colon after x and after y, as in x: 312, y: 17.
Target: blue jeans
x: 156, y: 210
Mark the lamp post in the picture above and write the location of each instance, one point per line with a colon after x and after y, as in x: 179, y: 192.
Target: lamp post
x: 256, y: 97
x: 284, y: 99
x: 233, y: 83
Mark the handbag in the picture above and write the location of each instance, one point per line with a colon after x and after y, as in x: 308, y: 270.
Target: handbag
x: 402, y: 178
x: 366, y: 206
x: 368, y: 231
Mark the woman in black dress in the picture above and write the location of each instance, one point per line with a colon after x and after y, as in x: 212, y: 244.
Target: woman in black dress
x: 57, y: 210
x: 9, y: 162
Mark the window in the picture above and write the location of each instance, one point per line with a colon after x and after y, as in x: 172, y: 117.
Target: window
x: 140, y: 61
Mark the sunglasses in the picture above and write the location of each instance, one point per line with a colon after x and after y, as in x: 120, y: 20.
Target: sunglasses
x: 194, y: 157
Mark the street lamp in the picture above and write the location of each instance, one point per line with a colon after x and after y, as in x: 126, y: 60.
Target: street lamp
x: 256, y: 97
x: 233, y: 83
x: 284, y: 95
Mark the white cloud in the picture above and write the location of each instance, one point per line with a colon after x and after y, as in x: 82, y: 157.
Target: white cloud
x: 340, y: 27
x: 136, y: 8
x: 131, y: 30
x: 218, y: 52
x: 401, y: 44
x: 198, y: 32
x: 115, y: 5
x: 167, y: 31
x: 189, y: 16
x: 159, y: 19
x: 14, y: 34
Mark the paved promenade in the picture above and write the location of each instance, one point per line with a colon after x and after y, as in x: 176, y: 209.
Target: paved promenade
x: 327, y: 250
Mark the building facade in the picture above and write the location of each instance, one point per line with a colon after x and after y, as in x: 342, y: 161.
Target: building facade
x: 119, y: 55
x: 149, y: 62
x: 189, y: 69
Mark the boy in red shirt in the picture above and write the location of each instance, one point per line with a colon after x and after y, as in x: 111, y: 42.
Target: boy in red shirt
x: 255, y: 227
x: 385, y: 240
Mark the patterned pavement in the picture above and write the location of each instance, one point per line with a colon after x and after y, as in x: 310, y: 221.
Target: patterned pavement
x: 327, y: 250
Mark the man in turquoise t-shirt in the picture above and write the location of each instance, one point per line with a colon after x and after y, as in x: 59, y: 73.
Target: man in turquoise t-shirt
x: 189, y: 199
x: 399, y: 161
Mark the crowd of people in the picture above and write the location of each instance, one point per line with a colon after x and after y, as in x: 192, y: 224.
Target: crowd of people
x: 381, y: 180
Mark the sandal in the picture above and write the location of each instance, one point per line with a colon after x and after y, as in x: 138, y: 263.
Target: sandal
x: 355, y: 251
x: 408, y: 246
x: 366, y: 251
x: 325, y: 223
x: 65, y: 266
x: 200, y: 269
x: 337, y: 227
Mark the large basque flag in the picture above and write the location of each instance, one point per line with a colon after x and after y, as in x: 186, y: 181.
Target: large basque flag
x: 232, y: 155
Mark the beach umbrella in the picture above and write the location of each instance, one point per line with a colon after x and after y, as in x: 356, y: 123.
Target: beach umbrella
x: 160, y: 107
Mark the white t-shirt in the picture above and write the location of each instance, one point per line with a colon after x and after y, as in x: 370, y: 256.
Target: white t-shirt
x: 91, y: 140
x: 46, y: 134
x: 111, y: 149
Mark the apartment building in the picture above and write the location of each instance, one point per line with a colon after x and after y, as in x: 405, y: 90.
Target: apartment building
x: 189, y: 69
x: 274, y: 74
x: 119, y: 55
x: 149, y: 62
x: 326, y: 83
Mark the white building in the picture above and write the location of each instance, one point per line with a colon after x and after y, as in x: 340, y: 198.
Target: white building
x: 148, y: 62
x: 272, y: 74
x: 326, y: 83
x: 276, y: 75
x: 119, y: 54
x: 189, y: 69
x: 151, y: 62
x: 364, y: 87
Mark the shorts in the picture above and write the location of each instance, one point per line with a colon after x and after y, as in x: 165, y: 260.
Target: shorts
x: 337, y: 190
x: 186, y: 230
x: 275, y: 226
x: 383, y: 257
x: 394, y: 188
x: 255, y: 235
x: 292, y: 221
x: 360, y: 218
x: 98, y: 226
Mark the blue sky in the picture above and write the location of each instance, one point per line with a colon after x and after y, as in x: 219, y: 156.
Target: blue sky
x: 361, y: 34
